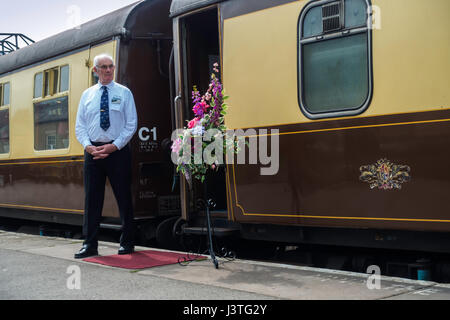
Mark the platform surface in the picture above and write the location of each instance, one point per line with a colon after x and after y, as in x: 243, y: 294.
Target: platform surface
x: 34, y: 267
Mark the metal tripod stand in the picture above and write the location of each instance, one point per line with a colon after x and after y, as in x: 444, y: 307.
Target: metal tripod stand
x: 209, y: 203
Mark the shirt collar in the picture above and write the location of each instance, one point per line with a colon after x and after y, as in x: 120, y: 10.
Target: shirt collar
x: 109, y: 86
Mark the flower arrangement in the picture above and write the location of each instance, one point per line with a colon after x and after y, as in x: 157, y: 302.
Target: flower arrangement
x: 202, y: 145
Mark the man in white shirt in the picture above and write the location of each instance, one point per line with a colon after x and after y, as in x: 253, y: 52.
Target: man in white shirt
x: 106, y: 122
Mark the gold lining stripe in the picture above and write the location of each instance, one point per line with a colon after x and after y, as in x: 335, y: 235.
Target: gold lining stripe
x: 335, y: 217
x: 351, y: 117
x: 350, y: 128
x: 344, y: 218
x: 37, y: 207
x: 324, y: 217
x: 39, y: 162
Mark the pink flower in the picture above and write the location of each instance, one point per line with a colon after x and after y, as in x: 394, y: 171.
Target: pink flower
x: 216, y: 65
x: 193, y: 123
x: 200, y: 108
x: 176, y: 145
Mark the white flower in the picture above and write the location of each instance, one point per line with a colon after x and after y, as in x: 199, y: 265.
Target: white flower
x: 198, y: 130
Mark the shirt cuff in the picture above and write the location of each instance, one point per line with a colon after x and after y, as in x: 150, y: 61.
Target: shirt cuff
x: 86, y: 143
x: 117, y: 145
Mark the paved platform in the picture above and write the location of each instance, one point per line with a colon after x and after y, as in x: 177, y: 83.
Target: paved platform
x: 39, y: 267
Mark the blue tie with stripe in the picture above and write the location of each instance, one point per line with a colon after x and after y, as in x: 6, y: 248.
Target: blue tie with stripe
x: 104, y: 109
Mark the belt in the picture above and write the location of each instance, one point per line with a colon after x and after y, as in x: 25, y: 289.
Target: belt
x: 98, y: 144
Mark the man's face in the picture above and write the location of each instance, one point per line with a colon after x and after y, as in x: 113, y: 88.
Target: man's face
x: 105, y: 71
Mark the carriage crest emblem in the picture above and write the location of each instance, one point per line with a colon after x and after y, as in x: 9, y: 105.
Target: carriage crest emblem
x: 385, y: 175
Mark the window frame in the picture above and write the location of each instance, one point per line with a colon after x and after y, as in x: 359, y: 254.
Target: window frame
x: 2, y: 94
x: 6, y: 154
x: 6, y: 107
x: 49, y: 83
x: 341, y: 33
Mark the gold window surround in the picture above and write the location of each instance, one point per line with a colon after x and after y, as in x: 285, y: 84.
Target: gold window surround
x: 51, y: 81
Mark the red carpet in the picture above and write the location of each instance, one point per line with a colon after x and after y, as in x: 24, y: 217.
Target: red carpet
x: 143, y: 259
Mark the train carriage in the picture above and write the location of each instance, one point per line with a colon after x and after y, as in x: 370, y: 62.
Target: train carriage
x: 356, y: 95
x: 351, y: 95
x: 41, y: 162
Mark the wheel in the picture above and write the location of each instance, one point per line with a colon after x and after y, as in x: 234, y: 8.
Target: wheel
x: 165, y: 235
x: 147, y: 232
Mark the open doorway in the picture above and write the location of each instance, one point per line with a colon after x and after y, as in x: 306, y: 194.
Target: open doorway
x: 200, y: 49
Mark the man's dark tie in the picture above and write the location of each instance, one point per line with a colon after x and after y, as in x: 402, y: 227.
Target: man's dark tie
x: 104, y: 109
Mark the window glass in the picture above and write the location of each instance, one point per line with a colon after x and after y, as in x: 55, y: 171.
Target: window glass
x: 51, y: 126
x: 46, y: 83
x: 335, y: 74
x: 6, y: 93
x: 50, y: 136
x: 4, y: 131
x: 38, y: 78
x: 64, y: 86
x: 312, y: 24
x: 355, y: 13
x: 54, y: 79
x: 335, y: 68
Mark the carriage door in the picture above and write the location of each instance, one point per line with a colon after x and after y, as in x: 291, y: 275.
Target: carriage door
x: 197, y: 49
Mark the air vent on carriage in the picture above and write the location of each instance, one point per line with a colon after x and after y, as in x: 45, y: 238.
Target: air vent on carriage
x: 331, y: 16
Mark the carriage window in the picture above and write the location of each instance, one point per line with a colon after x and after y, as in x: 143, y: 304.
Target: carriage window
x: 51, y: 81
x: 64, y: 83
x: 334, y: 58
x: 51, y: 125
x: 4, y: 94
x: 4, y: 131
x: 4, y: 117
x: 38, y: 85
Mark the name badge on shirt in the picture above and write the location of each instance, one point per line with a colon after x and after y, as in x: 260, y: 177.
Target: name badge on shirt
x: 116, y: 100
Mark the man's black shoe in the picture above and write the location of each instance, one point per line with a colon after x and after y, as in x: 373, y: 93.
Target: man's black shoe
x: 126, y: 250
x: 86, y: 251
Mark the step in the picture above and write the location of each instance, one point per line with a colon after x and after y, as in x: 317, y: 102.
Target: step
x: 217, y: 231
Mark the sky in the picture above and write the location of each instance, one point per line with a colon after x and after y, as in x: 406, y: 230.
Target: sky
x: 40, y: 19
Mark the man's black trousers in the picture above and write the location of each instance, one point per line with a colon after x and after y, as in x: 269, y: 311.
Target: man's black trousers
x: 117, y: 167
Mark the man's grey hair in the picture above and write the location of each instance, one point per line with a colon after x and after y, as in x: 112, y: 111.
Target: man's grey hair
x: 100, y: 57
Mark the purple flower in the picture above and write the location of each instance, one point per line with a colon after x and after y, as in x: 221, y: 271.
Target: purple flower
x: 200, y: 108
x: 196, y: 96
